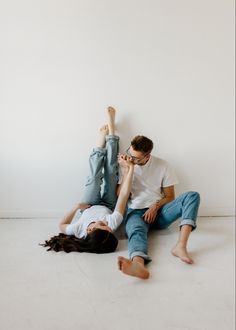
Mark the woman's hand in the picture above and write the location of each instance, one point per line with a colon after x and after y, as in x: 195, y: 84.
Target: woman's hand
x: 125, y: 161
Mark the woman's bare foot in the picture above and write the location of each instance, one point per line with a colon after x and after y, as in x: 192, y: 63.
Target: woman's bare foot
x: 181, y: 252
x: 133, y: 268
x: 102, y: 136
x: 111, y: 120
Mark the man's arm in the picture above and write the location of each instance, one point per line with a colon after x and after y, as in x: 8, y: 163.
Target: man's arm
x: 69, y: 216
x: 169, y: 195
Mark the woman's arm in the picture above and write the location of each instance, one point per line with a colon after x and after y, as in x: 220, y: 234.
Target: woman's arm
x: 69, y: 216
x: 125, y: 187
x: 124, y: 171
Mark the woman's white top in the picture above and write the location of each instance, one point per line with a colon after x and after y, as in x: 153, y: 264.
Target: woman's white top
x: 81, y: 221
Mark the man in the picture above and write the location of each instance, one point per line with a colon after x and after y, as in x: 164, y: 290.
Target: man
x: 153, y: 205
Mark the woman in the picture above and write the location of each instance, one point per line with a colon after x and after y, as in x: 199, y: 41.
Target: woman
x: 89, y: 226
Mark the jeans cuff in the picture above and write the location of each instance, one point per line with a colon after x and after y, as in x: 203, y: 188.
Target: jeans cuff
x: 188, y: 222
x: 112, y: 137
x: 141, y: 254
x: 99, y: 150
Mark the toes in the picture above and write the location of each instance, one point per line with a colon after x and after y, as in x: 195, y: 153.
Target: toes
x: 119, y: 264
x: 120, y: 259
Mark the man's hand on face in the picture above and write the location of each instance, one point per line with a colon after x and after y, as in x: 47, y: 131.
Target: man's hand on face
x: 125, y: 161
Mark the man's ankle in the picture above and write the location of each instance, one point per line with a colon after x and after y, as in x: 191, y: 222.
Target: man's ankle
x: 182, y: 245
x: 138, y: 259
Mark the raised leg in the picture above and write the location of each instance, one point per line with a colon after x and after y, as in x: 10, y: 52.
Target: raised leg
x: 92, y: 193
x: 109, y: 196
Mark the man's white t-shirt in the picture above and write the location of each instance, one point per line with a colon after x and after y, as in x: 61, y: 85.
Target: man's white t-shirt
x: 148, y: 181
x: 81, y: 221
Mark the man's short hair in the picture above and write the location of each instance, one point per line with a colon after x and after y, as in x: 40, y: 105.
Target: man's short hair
x: 142, y: 143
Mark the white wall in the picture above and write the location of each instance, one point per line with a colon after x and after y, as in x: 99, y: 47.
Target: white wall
x: 168, y: 67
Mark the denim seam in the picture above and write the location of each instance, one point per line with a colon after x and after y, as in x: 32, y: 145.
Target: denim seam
x: 171, y: 207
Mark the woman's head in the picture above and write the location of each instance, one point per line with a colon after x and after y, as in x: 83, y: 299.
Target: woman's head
x: 98, y: 241
x: 102, y: 241
x: 98, y: 225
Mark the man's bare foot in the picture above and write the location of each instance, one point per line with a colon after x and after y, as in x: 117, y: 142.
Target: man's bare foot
x: 181, y: 252
x: 133, y: 268
x: 102, y: 136
x: 111, y: 120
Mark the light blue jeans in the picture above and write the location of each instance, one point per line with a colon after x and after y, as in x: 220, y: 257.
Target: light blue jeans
x: 185, y: 207
x: 100, y: 187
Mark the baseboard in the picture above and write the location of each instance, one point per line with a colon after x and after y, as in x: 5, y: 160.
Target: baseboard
x: 217, y: 212
x: 32, y: 214
x: 39, y: 214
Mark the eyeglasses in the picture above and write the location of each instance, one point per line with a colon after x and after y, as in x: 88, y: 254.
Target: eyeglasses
x: 135, y: 159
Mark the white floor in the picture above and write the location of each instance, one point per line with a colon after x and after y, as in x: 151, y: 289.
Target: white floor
x: 42, y: 290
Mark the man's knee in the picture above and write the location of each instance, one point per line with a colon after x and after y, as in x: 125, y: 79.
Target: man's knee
x: 190, y: 195
x: 194, y: 195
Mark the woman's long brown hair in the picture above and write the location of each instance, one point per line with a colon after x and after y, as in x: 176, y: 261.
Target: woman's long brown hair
x: 99, y: 241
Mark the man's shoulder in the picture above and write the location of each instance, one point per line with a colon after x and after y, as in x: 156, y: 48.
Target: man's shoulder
x: 156, y: 161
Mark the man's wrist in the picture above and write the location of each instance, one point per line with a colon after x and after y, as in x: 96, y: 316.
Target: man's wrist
x: 158, y: 204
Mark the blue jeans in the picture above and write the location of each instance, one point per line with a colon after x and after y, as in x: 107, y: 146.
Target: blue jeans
x: 100, y: 187
x: 185, y: 207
